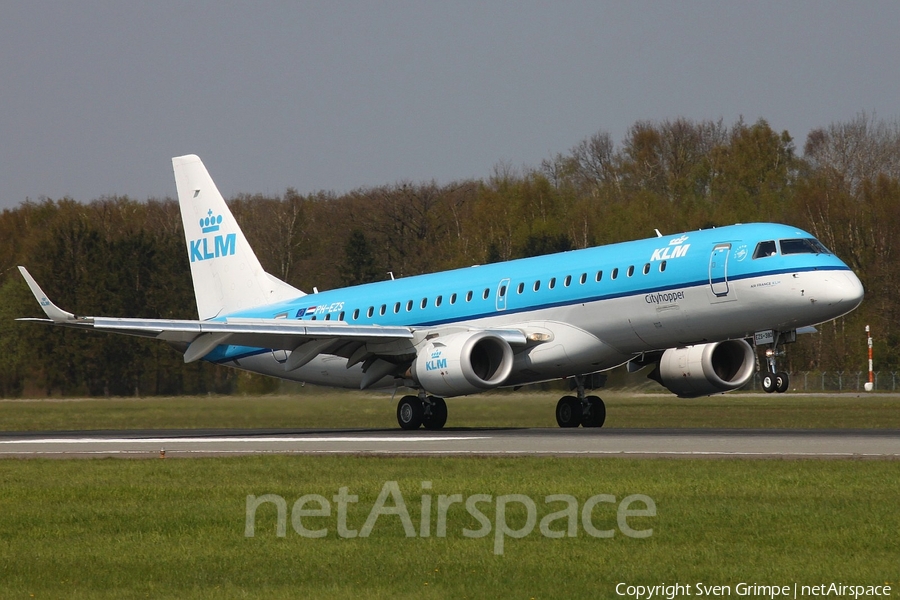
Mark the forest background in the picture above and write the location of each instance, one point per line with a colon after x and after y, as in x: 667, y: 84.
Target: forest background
x: 116, y: 256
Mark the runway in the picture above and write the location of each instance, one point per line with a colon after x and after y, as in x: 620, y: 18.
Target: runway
x: 673, y: 443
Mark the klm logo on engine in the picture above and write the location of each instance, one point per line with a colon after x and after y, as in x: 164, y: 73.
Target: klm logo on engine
x: 436, y: 363
x: 212, y: 246
x: 676, y: 249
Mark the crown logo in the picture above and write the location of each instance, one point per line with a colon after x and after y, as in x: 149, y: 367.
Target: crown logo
x: 210, y: 223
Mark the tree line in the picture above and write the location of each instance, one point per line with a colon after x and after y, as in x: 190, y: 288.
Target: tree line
x: 117, y: 256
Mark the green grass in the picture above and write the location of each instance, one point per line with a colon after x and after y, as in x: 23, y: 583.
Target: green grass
x: 175, y: 528
x: 320, y: 408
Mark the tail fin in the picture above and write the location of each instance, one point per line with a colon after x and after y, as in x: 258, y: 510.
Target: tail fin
x: 227, y: 275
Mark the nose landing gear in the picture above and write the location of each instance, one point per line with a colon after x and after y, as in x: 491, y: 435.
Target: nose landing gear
x: 772, y: 379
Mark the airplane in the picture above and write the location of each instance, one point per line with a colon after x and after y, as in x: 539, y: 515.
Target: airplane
x: 693, y: 305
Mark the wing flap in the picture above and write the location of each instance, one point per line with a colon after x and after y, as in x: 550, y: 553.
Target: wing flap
x: 277, y: 334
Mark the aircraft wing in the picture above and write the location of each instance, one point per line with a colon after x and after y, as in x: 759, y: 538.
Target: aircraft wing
x: 303, y: 339
x: 204, y: 336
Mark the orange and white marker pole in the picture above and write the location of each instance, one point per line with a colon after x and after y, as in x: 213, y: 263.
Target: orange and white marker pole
x: 870, y: 385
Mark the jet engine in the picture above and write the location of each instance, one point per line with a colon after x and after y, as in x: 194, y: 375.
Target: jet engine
x: 462, y: 363
x: 705, y: 369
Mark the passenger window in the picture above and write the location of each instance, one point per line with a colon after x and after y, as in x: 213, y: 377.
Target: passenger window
x: 599, y: 276
x: 615, y: 273
x: 453, y: 298
x: 583, y: 278
x: 424, y: 302
x: 341, y: 317
x: 370, y: 312
x: 552, y: 283
x: 662, y: 266
x: 328, y: 317
x: 383, y: 310
x: 568, y: 281
x: 355, y: 314
x: 396, y: 308
x: 764, y: 249
x: 646, y: 268
x: 521, y: 288
x: 438, y: 300
x: 537, y: 285
x: 502, y: 290
x: 409, y: 306
x: 487, y: 292
x: 631, y: 270
x: 468, y: 296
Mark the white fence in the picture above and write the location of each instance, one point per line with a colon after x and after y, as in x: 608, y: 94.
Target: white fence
x: 837, y: 381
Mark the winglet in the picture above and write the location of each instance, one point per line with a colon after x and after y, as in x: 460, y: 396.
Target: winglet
x: 56, y: 314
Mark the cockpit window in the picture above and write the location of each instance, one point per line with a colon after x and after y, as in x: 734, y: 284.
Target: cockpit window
x: 764, y: 249
x: 803, y: 246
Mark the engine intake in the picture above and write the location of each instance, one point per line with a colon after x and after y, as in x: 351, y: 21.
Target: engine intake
x: 462, y: 363
x: 705, y: 369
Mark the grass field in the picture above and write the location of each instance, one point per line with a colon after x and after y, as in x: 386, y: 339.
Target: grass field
x: 176, y: 527
x: 320, y: 408
x: 112, y: 528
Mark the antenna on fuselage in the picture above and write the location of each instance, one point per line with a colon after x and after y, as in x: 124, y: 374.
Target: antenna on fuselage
x: 658, y: 234
x: 391, y: 273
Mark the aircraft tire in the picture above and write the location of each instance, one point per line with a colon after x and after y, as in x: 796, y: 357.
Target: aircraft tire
x: 436, y: 418
x: 596, y: 415
x: 410, y: 412
x: 568, y: 412
x: 782, y: 382
x: 768, y: 382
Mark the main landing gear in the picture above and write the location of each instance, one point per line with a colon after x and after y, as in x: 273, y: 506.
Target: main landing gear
x: 588, y: 411
x: 772, y: 379
x: 571, y: 411
x: 416, y: 411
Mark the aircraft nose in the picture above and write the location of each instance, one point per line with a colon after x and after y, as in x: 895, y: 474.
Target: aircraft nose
x: 844, y: 291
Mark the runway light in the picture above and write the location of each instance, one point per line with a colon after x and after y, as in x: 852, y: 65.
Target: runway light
x: 162, y: 452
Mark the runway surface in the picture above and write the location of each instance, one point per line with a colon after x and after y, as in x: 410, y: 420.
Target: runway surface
x: 685, y: 443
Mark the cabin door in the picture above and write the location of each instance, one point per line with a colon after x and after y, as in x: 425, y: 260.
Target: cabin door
x: 718, y: 271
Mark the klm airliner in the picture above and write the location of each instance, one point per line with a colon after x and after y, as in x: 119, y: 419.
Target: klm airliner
x: 693, y: 306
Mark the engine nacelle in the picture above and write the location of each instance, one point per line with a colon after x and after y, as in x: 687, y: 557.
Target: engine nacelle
x: 705, y: 369
x: 462, y: 363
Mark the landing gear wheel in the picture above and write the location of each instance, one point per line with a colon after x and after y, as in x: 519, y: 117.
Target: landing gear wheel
x: 436, y: 414
x: 595, y: 414
x: 768, y: 382
x: 782, y: 382
x: 568, y: 412
x: 410, y: 412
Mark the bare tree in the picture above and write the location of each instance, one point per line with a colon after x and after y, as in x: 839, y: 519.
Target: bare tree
x: 856, y: 151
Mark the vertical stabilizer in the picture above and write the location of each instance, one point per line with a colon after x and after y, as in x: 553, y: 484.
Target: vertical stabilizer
x: 226, y: 273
